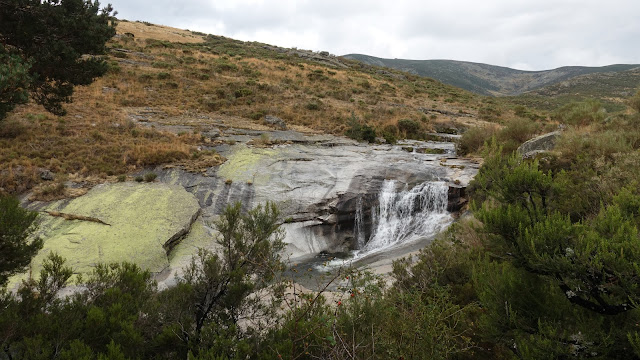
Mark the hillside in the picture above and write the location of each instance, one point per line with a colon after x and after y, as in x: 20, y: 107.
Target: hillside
x: 612, y: 89
x: 167, y: 88
x: 487, y: 79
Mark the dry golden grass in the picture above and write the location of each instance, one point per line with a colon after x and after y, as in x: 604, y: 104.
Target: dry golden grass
x: 159, y: 32
x: 181, y: 80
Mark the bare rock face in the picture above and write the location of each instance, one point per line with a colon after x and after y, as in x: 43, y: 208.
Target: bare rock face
x: 276, y: 122
x: 317, y: 187
x: 140, y: 224
x: 538, y: 145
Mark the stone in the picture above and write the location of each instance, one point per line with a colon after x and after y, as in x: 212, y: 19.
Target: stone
x: 146, y: 221
x: 275, y: 122
x: 109, y: 90
x: 46, y: 174
x: 539, y: 144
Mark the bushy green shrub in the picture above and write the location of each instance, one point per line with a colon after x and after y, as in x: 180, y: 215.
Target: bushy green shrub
x: 516, y: 132
x: 313, y: 105
x: 409, y: 127
x: 490, y: 112
x: 473, y: 139
x: 581, y: 113
x: 18, y: 247
x: 150, y: 176
x: 360, y: 132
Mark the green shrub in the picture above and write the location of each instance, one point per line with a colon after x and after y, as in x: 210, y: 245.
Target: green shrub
x: 150, y: 176
x: 312, y: 105
x: 163, y: 75
x: 490, y: 112
x: 171, y: 85
x: 634, y: 102
x: 516, y: 132
x: 161, y: 65
x: 473, y: 140
x: 360, y: 132
x: 390, y: 134
x: 139, y: 178
x: 215, y: 105
x: 145, y: 77
x: 18, y: 247
x: 242, y: 92
x: 581, y: 113
x: 409, y: 127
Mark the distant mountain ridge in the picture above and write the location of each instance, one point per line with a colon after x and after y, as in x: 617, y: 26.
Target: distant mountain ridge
x: 487, y: 79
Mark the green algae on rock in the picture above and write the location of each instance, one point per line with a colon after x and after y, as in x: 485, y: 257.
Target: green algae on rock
x: 244, y: 164
x: 146, y: 220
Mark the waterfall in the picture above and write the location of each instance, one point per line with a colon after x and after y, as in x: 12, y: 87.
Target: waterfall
x: 359, y: 223
x: 403, y: 216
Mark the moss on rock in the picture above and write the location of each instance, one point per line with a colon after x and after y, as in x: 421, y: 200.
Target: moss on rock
x: 142, y: 218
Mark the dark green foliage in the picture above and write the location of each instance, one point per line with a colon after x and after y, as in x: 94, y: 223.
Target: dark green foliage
x: 313, y: 105
x: 515, y: 132
x: 634, y: 102
x: 583, y: 271
x: 201, y: 314
x: 117, y: 312
x: 16, y: 246
x: 473, y: 139
x: 490, y: 112
x: 52, y: 36
x: 359, y: 131
x: 416, y: 318
x: 14, y: 81
x: 409, y: 127
x: 150, y: 176
x: 580, y: 113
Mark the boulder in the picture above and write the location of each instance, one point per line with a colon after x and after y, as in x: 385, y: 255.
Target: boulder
x: 542, y: 143
x: 46, y: 174
x: 275, y: 122
x: 140, y: 224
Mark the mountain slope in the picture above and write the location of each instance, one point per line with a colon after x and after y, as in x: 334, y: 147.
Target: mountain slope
x: 612, y: 89
x: 162, y: 79
x: 487, y: 79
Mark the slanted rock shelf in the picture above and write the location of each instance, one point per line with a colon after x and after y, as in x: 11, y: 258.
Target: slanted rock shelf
x: 146, y: 221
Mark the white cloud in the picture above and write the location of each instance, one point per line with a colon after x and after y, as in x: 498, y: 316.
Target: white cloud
x: 531, y: 34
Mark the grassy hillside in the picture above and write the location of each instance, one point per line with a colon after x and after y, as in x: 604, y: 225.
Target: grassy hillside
x: 610, y: 88
x: 160, y: 75
x: 487, y: 79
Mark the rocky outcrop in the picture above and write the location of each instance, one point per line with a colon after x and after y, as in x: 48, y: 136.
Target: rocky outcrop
x: 457, y: 198
x: 537, y: 145
x: 317, y: 187
x: 276, y: 122
x: 318, y: 182
x: 139, y: 223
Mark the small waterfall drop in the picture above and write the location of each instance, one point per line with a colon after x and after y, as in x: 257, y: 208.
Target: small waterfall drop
x: 403, y: 216
x: 359, y: 223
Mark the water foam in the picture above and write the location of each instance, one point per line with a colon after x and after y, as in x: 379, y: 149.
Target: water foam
x: 403, y: 216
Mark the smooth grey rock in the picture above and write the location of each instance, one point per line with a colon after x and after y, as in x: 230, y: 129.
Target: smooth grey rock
x: 542, y: 143
x: 275, y: 122
x: 317, y: 185
x: 46, y: 174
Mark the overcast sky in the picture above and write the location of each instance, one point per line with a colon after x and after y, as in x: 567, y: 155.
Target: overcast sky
x: 523, y: 34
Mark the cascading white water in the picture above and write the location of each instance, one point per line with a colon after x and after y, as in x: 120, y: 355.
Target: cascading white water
x: 359, y: 223
x: 403, y: 216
